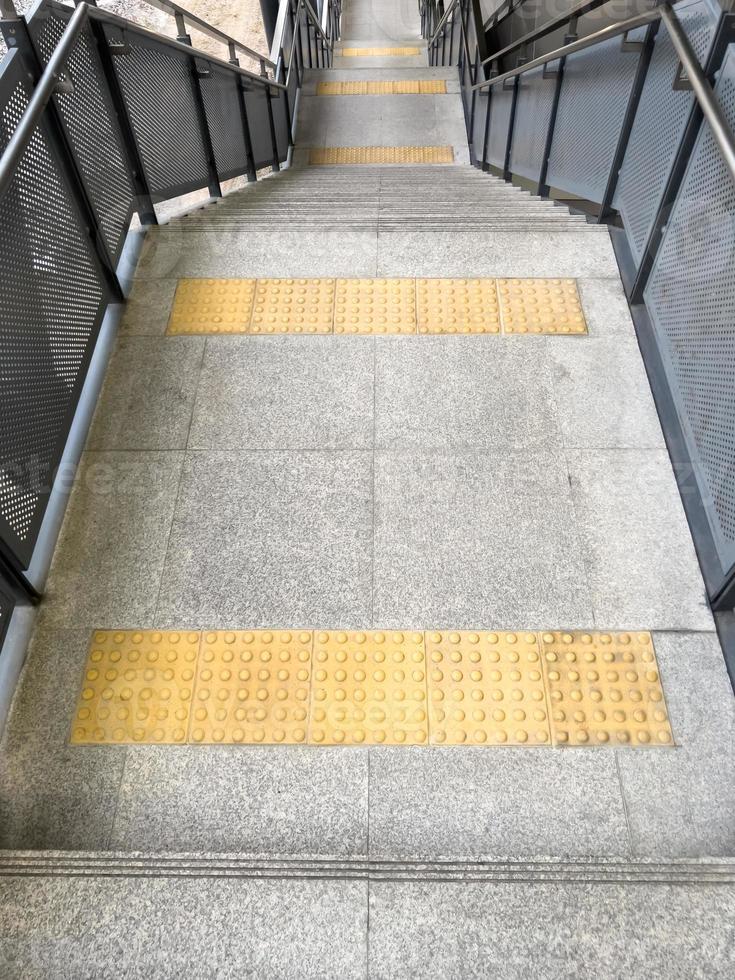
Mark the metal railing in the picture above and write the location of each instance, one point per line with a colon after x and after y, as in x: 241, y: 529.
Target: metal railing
x: 102, y: 119
x: 633, y: 125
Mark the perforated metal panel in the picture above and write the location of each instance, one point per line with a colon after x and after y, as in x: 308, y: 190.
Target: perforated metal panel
x: 659, y: 125
x: 691, y: 300
x: 533, y: 112
x: 158, y: 92
x: 260, y: 134
x: 500, y: 102
x: 222, y: 108
x: 51, y: 303
x: 90, y: 124
x: 594, y: 97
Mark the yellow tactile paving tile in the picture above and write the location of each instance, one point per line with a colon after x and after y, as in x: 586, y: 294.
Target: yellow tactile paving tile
x: 252, y: 687
x: 377, y: 687
x: 330, y: 155
x: 368, y: 688
x: 137, y: 687
x: 457, y: 306
x: 399, y: 87
x: 604, y: 689
x: 375, y: 306
x: 486, y: 689
x: 540, y: 306
x: 405, y: 52
x: 212, y: 306
x: 293, y: 306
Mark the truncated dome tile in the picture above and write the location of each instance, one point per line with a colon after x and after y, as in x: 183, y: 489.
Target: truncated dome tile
x: 604, y: 689
x: 540, y: 306
x: 457, y: 306
x: 486, y: 689
x: 368, y: 688
x: 375, y: 306
x: 212, y: 306
x: 378, y: 52
x: 252, y: 686
x: 293, y: 306
x: 380, y: 154
x: 137, y: 687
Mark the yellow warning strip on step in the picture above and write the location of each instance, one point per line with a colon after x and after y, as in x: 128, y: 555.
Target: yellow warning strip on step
x: 378, y: 52
x: 372, y: 687
x: 404, y: 87
x: 377, y: 306
x: 336, y: 155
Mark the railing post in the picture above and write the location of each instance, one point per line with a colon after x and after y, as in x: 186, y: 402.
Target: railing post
x: 276, y: 166
x: 486, y: 137
x: 249, y: 158
x: 183, y: 38
x: 644, y: 60
x: 542, y: 188
x: 511, y: 127
x: 146, y: 210
x: 16, y: 34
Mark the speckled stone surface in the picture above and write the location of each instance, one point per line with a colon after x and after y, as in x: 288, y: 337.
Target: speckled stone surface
x: 165, y: 929
x: 279, y: 800
x: 487, y: 802
x: 612, y: 932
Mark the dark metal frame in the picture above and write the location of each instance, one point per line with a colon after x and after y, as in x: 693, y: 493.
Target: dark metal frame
x: 108, y: 37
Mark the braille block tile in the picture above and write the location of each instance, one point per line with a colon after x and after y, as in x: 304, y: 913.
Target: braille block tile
x: 375, y: 306
x: 137, y: 687
x: 540, y: 306
x: 380, y: 154
x: 378, y: 52
x: 368, y: 688
x: 405, y: 87
x: 486, y: 689
x: 212, y: 306
x: 604, y: 689
x: 252, y: 687
x: 457, y: 306
x: 293, y: 306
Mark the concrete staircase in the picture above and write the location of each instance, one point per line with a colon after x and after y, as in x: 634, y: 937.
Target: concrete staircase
x: 476, y: 482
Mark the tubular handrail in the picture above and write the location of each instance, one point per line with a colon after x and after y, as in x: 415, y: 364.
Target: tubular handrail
x: 54, y: 72
x: 582, y: 8
x: 315, y: 21
x: 640, y: 20
x: 701, y: 87
x: 443, y: 21
x: 169, y: 7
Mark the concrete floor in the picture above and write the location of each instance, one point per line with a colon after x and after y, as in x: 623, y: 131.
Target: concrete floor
x: 477, y: 482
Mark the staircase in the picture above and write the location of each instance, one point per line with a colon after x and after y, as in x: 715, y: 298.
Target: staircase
x: 414, y: 483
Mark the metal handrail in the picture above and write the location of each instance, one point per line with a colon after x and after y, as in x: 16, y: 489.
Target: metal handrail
x: 442, y: 22
x: 640, y: 20
x: 582, y: 8
x: 701, y: 87
x: 169, y: 7
x: 54, y: 72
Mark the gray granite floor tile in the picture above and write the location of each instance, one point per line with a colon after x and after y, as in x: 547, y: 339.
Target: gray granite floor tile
x: 464, y: 393
x: 174, y: 252
x: 642, y: 568
x: 602, y: 395
x: 275, y: 800
x: 516, y: 931
x: 476, y: 540
x: 416, y: 253
x: 148, y: 308
x: 285, y: 393
x: 108, y: 561
x: 168, y: 928
x: 471, y: 803
x: 270, y: 538
x: 54, y: 795
x: 148, y: 395
x: 681, y: 803
x: 49, y: 684
x: 605, y: 306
